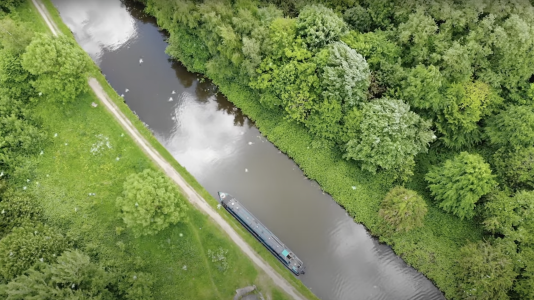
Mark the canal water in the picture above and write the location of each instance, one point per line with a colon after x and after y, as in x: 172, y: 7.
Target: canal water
x: 225, y: 152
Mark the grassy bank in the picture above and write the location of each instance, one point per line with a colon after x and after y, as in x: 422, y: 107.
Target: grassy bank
x: 77, y: 186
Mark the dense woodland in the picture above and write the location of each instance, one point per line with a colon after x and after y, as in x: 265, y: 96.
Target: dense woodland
x: 437, y: 95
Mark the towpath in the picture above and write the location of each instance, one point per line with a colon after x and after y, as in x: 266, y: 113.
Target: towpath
x: 189, y: 192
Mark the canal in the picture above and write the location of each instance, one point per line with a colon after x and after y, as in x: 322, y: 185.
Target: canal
x: 223, y: 149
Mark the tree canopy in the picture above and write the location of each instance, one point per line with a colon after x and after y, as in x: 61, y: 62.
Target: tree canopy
x: 403, y: 209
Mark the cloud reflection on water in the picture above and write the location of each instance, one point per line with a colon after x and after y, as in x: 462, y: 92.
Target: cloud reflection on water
x: 98, y: 24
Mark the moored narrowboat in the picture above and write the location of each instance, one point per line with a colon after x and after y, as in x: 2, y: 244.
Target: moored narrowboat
x: 262, y: 234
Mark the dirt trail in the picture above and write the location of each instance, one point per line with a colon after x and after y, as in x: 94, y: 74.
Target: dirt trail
x: 189, y: 192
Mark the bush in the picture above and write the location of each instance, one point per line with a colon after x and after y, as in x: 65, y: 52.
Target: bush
x: 15, y: 210
x: 60, y: 66
x: 459, y: 183
x: 150, y: 203
x: 402, y: 209
x: 27, y: 245
x: 486, y: 271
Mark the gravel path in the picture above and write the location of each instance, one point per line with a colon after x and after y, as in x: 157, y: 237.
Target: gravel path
x: 188, y: 191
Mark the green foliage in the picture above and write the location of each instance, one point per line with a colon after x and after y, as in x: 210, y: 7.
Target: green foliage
x: 137, y: 286
x: 14, y: 80
x: 19, y: 135
x: 402, y: 209
x: 150, y: 203
x: 391, y: 135
x: 74, y: 276
x: 465, y: 105
x: 345, y: 75
x: 486, y: 270
x: 358, y: 18
x: 17, y: 209
x: 60, y: 66
x: 28, y: 244
x: 9, y: 5
x: 423, y: 88
x: 512, y: 128
x: 516, y: 166
x: 459, y: 183
x: 524, y: 285
x: 511, y: 216
x: 319, y: 26
x: 14, y: 37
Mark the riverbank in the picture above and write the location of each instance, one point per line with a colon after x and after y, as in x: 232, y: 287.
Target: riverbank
x: 67, y: 172
x: 431, y: 249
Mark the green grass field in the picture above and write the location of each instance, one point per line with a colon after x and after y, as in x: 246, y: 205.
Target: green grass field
x: 87, y: 152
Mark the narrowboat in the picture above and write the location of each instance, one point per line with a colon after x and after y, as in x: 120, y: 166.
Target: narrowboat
x: 262, y: 234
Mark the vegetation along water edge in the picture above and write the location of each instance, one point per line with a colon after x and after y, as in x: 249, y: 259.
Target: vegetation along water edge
x: 417, y: 117
x: 79, y: 212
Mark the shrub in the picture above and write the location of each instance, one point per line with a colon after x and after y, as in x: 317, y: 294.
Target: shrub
x: 459, y: 183
x: 27, y: 245
x: 150, y: 203
x: 15, y: 210
x: 402, y: 209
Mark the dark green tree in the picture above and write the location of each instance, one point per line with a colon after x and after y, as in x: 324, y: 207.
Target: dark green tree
x: 402, y: 210
x: 60, y: 66
x: 524, y: 284
x: 460, y: 182
x: 486, y: 271
x: 151, y: 202
x: 516, y: 166
x: 28, y: 244
x: 512, y: 128
x: 358, y: 18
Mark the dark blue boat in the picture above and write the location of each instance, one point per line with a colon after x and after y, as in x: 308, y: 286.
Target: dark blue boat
x: 264, y: 235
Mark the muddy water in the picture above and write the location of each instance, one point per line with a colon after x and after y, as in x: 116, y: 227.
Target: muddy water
x: 225, y: 152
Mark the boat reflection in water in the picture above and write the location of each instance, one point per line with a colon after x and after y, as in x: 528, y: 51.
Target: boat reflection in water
x: 264, y: 235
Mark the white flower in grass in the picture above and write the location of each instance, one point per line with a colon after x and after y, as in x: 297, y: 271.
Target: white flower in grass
x: 24, y: 188
x: 55, y: 135
x: 184, y: 267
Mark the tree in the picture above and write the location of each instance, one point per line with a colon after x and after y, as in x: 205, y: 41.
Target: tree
x: 319, y: 26
x: 15, y: 82
x: 150, y: 203
x: 512, y: 217
x: 423, y: 88
x: 345, y: 74
x: 391, y: 135
x: 9, y: 5
x: 74, y: 276
x: 17, y: 209
x: 524, y: 285
x: 459, y: 183
x: 358, y: 18
x: 516, y: 166
x: 512, y: 128
x: 27, y: 245
x: 464, y: 106
x: 402, y: 209
x: 486, y: 270
x: 60, y: 66
x: 14, y: 36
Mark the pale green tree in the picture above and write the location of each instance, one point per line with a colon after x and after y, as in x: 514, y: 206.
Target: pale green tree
x: 402, y: 210
x: 319, y: 26
x: 459, y: 183
x: 391, y: 135
x: 150, y: 202
x: 60, y: 66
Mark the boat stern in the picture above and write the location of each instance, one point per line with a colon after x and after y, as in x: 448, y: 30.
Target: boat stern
x: 222, y: 196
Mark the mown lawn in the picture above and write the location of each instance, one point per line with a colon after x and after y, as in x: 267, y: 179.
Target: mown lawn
x: 80, y: 173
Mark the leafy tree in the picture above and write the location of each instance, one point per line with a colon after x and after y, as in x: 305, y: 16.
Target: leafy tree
x: 28, y: 244
x: 391, y: 135
x: 150, y: 203
x: 137, y: 286
x: 15, y: 210
x: 403, y: 209
x: 512, y: 128
x: 14, y: 80
x: 358, y: 18
x: 417, y: 35
x: 524, y: 284
x: 319, y: 26
x: 485, y: 270
x: 345, y: 74
x: 465, y: 105
x: 459, y: 183
x: 19, y: 135
x: 74, y: 276
x: 516, y: 166
x: 9, y: 5
x: 60, y: 66
x: 510, y: 216
x: 423, y: 88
